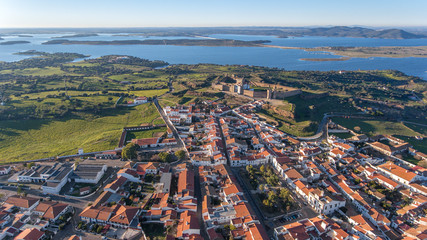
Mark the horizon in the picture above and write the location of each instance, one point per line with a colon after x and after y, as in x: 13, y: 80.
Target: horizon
x: 191, y: 13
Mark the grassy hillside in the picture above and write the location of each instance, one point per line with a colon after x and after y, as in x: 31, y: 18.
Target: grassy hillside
x: 31, y: 139
x: 404, y: 131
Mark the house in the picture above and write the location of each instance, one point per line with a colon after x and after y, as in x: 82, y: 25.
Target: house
x: 115, y: 185
x: 140, y: 100
x: 125, y: 217
x: 398, y: 173
x: 390, y: 150
x: 291, y: 176
x: 5, y: 170
x: 309, y: 152
x: 51, y: 210
x: 147, y: 168
x: 188, y: 225
x: 147, y: 142
x: 185, y: 189
x: 129, y: 174
x: 94, y: 214
x: 30, y: 234
x: 84, y: 190
x: 336, y: 152
x: 23, y: 203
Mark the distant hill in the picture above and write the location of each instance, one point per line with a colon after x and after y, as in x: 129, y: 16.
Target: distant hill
x: 337, y: 31
x: 360, y: 32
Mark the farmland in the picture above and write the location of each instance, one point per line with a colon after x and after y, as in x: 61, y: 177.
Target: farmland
x: 47, y: 97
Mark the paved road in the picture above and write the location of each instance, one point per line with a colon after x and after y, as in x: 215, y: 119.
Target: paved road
x: 168, y: 123
x: 322, y: 129
x: 198, y: 195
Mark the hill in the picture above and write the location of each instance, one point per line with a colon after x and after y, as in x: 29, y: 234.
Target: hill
x: 342, y: 31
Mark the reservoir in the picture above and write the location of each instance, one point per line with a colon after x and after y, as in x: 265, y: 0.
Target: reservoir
x: 288, y: 59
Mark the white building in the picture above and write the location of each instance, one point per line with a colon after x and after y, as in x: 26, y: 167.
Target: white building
x: 140, y: 100
x: 88, y: 173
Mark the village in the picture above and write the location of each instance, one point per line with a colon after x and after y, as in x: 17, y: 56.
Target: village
x: 228, y: 175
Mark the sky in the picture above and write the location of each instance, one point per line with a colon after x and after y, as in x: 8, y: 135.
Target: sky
x: 210, y: 13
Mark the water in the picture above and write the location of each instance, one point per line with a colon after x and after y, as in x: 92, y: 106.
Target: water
x: 288, y: 59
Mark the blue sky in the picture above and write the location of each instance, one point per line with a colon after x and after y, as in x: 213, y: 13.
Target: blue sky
x: 163, y: 13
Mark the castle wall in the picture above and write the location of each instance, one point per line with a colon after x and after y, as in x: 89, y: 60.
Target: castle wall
x: 255, y: 94
x: 284, y: 94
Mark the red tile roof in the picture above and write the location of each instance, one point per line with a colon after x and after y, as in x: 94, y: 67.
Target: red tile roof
x: 30, y: 234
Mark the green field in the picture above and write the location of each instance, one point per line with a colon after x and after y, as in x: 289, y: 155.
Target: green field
x: 32, y: 139
x: 145, y: 133
x: 403, y: 131
x: 307, y: 113
x: 373, y: 127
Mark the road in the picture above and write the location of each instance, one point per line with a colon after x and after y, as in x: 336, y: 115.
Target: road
x: 168, y: 123
x: 198, y: 195
x: 322, y: 129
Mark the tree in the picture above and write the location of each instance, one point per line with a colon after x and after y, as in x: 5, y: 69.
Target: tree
x: 99, y: 229
x: 262, y: 169
x: 164, y: 156
x: 19, y: 190
x: 180, y: 154
x: 284, y: 193
x: 272, y: 197
x: 129, y: 152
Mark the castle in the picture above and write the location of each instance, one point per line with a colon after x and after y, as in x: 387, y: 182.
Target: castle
x: 241, y: 86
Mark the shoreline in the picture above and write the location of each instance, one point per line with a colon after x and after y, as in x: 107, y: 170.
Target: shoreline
x: 347, y: 53
x: 344, y: 58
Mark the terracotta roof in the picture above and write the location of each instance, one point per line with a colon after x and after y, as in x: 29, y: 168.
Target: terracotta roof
x: 231, y: 189
x: 100, y: 213
x: 129, y: 172
x: 398, y: 171
x: 124, y: 215
x: 293, y: 174
x: 75, y: 237
x: 258, y: 232
x: 186, y: 181
x: 337, y: 151
x: 51, y: 209
x: 30, y: 234
x: 188, y: 220
x: 22, y: 202
x: 145, y: 141
x: 243, y: 209
x: 116, y: 184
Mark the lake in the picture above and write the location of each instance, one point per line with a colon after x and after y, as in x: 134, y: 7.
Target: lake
x: 288, y: 59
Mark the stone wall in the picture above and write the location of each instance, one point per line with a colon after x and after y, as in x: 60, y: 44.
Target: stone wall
x: 255, y: 94
x: 284, y: 94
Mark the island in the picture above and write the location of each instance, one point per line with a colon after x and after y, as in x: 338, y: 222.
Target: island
x: 178, y: 42
x: 14, y: 42
x: 79, y: 35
